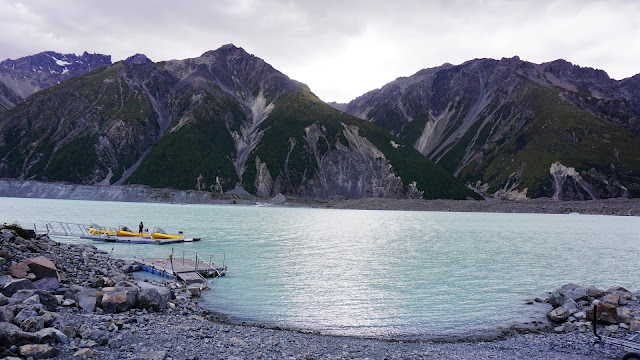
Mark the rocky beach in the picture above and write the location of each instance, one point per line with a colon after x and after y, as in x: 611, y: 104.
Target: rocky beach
x: 73, y: 301
x: 615, y: 206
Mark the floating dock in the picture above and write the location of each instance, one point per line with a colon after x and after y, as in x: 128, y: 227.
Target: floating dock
x: 105, y: 234
x: 181, y: 269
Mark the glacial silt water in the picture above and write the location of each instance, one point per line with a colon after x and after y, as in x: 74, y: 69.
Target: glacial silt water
x: 372, y: 273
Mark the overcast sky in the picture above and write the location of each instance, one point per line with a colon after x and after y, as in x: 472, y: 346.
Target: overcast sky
x: 340, y: 48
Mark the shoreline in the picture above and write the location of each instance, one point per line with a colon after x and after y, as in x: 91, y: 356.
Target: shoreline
x: 615, y: 206
x: 140, y: 193
x: 185, y: 330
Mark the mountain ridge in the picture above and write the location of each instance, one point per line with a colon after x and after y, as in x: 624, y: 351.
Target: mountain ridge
x: 469, y: 116
x: 201, y: 124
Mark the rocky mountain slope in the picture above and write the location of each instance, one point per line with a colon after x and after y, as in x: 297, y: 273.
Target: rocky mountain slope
x: 223, y: 121
x: 24, y: 76
x: 516, y: 129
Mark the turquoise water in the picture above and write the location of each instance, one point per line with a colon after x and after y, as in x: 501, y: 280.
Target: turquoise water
x: 372, y: 273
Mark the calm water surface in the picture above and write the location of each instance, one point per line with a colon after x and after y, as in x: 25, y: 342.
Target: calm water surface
x: 372, y: 273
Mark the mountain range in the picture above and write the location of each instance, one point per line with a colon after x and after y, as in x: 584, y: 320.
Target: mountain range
x: 22, y: 77
x: 223, y: 122
x: 229, y: 122
x: 515, y: 129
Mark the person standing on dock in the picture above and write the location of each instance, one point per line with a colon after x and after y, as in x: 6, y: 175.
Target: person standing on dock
x: 140, y: 227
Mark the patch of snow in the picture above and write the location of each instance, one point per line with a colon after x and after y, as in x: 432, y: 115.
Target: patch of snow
x: 61, y: 62
x: 65, y: 71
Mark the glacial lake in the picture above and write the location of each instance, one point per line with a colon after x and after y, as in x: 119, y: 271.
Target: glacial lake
x: 371, y: 273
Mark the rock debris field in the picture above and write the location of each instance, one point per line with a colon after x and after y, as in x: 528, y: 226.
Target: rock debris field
x: 67, y: 301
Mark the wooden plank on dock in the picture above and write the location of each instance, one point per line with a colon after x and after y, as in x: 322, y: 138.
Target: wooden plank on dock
x: 181, y: 269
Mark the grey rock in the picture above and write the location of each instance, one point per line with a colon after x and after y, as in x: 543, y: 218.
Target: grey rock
x: 95, y: 334
x: 4, y: 279
x: 7, y: 313
x: 115, y: 343
x: 85, y: 353
x: 51, y: 335
x: 122, y: 298
x: 9, y: 326
x: 47, y: 284
x: 70, y: 330
x: 152, y: 355
x: 85, y: 331
x: 3, y: 300
x: 195, y: 290
x: 48, y: 300
x: 38, y: 351
x: 9, y: 335
x: 152, y: 296
x: 568, y: 291
x: 33, y: 300
x: 563, y: 312
x: 49, y: 318
x: 24, y: 315
x: 21, y: 295
x: 42, y: 267
x: 102, y: 340
x: 32, y: 324
x: 87, y: 303
x: 11, y: 287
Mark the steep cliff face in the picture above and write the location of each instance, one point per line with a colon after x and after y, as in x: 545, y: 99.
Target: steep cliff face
x: 29, y: 74
x: 85, y: 130
x: 500, y: 125
x: 223, y: 121
x: 8, y: 98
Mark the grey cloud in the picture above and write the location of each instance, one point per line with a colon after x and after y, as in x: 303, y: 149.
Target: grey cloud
x: 334, y: 43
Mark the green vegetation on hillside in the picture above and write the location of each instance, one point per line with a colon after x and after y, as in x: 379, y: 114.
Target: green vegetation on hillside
x: 203, y: 146
x: 559, y: 131
x: 298, y: 111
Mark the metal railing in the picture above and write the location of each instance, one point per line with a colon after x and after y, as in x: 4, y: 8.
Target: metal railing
x: 198, y: 260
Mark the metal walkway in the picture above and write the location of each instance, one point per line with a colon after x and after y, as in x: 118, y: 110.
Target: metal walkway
x: 183, y: 269
x: 63, y: 228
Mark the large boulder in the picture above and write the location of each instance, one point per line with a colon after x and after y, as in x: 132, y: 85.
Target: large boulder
x: 21, y: 295
x: 569, y: 291
x: 563, y: 312
x: 48, y: 300
x: 13, y: 286
x: 42, y: 267
x: 47, y: 284
x: 51, y: 335
x: 121, y: 297
x: 152, y: 296
x: 32, y: 324
x: 86, y: 298
x: 607, y: 314
x: 11, y: 334
x: 35, y: 268
x: 87, y: 303
x: 7, y: 313
x: 38, y: 351
x: 23, y: 315
x: 20, y: 270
